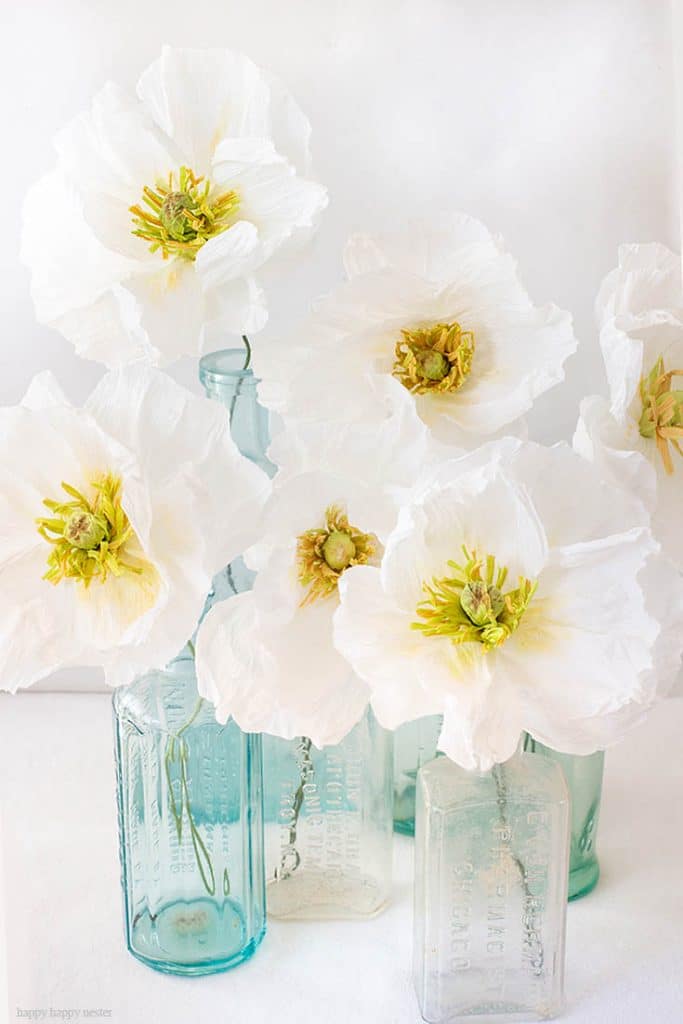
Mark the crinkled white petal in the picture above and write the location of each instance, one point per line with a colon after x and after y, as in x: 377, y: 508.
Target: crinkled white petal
x: 288, y: 681
x: 632, y: 462
x: 648, y: 277
x: 461, y: 275
x: 98, y: 283
x: 192, y: 500
x: 198, y: 97
x: 70, y: 268
x: 600, y: 641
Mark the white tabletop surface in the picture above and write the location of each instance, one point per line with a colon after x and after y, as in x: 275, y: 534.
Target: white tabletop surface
x: 63, y: 909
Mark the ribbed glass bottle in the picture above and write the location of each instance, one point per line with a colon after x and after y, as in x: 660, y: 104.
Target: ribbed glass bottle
x: 584, y: 779
x: 190, y: 827
x: 491, y: 852
x: 328, y: 824
x: 414, y: 745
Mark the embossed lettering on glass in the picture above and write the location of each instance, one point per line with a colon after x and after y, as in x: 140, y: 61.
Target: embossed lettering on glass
x: 328, y: 828
x: 491, y: 852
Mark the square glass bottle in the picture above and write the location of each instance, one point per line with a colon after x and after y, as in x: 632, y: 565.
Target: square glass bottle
x: 491, y: 856
x: 328, y: 824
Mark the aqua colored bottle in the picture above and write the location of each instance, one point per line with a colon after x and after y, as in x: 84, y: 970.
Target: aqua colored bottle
x: 191, y: 827
x: 190, y: 790
x: 584, y: 779
x: 414, y: 745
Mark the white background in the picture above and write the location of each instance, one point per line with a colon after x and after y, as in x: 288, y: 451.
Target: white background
x: 550, y: 120
x: 553, y: 122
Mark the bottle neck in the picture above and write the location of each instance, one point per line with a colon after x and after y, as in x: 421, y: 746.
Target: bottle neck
x: 225, y: 379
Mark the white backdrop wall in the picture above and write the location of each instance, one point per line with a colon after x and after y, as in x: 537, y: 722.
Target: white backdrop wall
x: 551, y: 121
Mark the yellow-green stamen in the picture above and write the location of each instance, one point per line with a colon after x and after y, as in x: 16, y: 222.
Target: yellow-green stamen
x: 470, y: 606
x: 324, y: 553
x: 437, y: 358
x: 662, y: 417
x: 181, y: 214
x: 89, y: 536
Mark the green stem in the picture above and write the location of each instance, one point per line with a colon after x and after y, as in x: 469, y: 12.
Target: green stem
x: 533, y: 939
x: 238, y: 386
x: 290, y: 858
x: 177, y: 750
x: 247, y: 359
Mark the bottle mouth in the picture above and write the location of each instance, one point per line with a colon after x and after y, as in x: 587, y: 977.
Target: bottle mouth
x: 227, y: 364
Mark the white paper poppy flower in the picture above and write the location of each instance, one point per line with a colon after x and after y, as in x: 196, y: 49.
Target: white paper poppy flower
x: 161, y: 209
x: 637, y: 439
x: 442, y: 317
x: 115, y: 517
x: 517, y: 592
x: 267, y: 657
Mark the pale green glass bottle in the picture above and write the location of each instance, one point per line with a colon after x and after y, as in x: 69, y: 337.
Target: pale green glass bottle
x: 584, y: 779
x: 190, y: 826
x: 414, y: 745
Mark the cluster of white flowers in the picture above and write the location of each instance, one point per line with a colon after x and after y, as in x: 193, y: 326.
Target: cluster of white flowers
x: 414, y: 550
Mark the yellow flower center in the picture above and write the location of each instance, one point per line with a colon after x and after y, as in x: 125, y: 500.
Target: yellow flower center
x: 181, y: 214
x: 470, y: 606
x: 437, y: 358
x: 662, y: 415
x: 325, y: 552
x: 89, y: 536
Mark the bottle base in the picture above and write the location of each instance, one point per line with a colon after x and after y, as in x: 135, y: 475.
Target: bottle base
x: 192, y: 938
x: 314, y: 896
x: 481, y: 1011
x: 583, y: 880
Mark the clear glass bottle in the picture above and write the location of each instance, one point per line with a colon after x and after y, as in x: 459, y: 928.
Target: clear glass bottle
x: 491, y: 853
x: 328, y: 824
x: 584, y: 779
x: 414, y: 745
x: 190, y: 826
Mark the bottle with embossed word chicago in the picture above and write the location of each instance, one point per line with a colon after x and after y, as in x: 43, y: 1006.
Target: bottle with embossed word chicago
x: 267, y: 658
x: 519, y: 593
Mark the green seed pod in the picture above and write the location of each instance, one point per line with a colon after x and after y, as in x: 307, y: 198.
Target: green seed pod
x: 339, y: 550
x: 84, y: 530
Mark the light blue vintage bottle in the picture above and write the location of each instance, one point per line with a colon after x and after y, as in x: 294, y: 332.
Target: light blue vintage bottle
x: 190, y: 790
x: 190, y: 826
x: 414, y: 745
x: 584, y: 779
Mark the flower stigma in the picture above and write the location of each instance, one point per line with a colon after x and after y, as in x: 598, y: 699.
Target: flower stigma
x: 89, y: 536
x: 324, y: 553
x: 662, y: 415
x: 181, y: 214
x: 437, y: 358
x: 471, y: 606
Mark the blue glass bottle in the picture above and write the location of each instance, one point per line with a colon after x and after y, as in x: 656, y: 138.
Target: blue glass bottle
x: 190, y: 790
x: 225, y: 379
x: 190, y: 825
x: 414, y: 745
x: 584, y: 780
